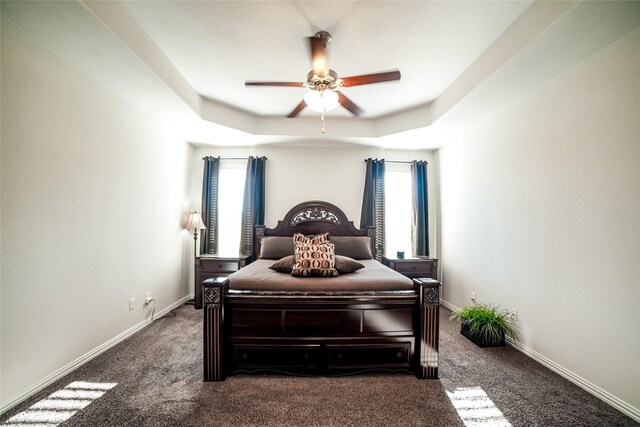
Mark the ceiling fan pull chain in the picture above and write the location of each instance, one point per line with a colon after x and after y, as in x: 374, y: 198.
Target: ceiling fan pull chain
x: 322, y: 118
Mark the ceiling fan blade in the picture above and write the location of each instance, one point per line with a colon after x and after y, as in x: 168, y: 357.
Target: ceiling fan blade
x: 291, y: 84
x: 349, y: 105
x: 319, y: 62
x: 297, y: 110
x: 370, y: 78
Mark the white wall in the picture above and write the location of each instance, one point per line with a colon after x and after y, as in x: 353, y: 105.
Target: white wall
x: 318, y: 171
x: 540, y: 211
x: 93, y: 195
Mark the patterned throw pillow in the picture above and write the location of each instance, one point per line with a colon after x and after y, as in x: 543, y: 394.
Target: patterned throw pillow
x: 313, y: 240
x: 314, y: 259
x: 344, y: 265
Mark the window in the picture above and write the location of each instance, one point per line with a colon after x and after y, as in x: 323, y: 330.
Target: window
x: 397, y: 183
x: 230, y: 195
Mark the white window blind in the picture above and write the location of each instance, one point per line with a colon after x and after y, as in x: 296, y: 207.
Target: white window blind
x: 397, y: 182
x: 230, y: 194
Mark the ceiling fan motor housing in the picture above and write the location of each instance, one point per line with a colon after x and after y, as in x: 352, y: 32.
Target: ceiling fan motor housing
x: 320, y: 83
x: 325, y: 36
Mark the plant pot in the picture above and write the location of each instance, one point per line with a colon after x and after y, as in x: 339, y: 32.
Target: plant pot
x: 464, y: 330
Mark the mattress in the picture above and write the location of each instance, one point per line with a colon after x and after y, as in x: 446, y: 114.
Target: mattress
x: 257, y: 276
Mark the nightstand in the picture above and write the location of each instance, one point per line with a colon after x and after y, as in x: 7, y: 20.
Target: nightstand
x: 208, y: 266
x: 413, y: 267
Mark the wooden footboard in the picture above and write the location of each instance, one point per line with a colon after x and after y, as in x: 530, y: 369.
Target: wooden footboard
x: 324, y: 334
x: 320, y: 332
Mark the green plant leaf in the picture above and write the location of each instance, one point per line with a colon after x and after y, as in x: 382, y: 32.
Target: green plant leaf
x: 486, y: 322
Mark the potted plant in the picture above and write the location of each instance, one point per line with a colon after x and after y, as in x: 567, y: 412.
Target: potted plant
x: 485, y: 325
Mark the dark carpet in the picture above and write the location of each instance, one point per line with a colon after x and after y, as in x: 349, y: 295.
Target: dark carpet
x: 158, y: 373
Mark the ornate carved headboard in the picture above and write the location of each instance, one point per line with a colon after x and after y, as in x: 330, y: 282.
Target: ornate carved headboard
x: 313, y: 217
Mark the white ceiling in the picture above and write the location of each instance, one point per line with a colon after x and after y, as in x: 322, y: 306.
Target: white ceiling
x: 185, y: 62
x: 216, y: 46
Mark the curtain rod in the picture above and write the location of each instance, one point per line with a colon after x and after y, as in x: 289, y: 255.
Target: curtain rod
x: 235, y: 158
x: 394, y: 161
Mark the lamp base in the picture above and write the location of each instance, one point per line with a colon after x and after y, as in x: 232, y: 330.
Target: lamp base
x: 192, y: 301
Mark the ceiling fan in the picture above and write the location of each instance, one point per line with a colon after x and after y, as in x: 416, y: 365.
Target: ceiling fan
x: 324, y: 82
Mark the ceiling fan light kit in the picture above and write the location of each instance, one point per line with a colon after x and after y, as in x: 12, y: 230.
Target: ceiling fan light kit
x: 321, y: 102
x: 324, y: 82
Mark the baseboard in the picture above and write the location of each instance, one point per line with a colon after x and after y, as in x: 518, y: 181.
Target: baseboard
x: 45, y: 382
x: 449, y: 306
x: 591, y: 388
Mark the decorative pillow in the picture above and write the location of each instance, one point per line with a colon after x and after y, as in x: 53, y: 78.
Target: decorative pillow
x: 284, y: 265
x: 314, y: 260
x: 274, y: 247
x: 356, y: 247
x: 346, y: 265
x: 311, y: 240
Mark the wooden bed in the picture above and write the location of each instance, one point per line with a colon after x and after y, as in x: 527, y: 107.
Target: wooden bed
x: 319, y: 332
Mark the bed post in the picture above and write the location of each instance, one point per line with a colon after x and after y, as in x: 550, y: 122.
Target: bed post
x: 428, y: 330
x: 371, y: 232
x: 257, y: 242
x: 213, y: 292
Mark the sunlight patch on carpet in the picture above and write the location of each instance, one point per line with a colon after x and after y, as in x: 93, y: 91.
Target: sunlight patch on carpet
x: 60, y: 405
x: 476, y: 409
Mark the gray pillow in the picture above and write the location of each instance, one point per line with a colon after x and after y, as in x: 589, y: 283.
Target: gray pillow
x: 346, y: 265
x: 356, y: 247
x: 275, y: 247
x: 284, y: 265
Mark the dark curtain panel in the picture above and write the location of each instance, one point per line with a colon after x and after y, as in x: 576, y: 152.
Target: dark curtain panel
x: 253, y: 203
x: 420, y: 211
x: 373, y: 203
x: 209, y: 241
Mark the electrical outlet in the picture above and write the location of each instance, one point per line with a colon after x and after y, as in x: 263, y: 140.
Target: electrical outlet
x: 147, y: 298
x: 473, y: 296
x: 513, y: 313
x: 132, y: 303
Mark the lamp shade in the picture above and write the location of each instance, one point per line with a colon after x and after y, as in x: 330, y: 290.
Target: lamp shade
x: 195, y: 222
x: 323, y: 101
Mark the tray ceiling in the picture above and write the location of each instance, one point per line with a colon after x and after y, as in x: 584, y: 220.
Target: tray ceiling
x: 218, y: 45
x: 185, y: 62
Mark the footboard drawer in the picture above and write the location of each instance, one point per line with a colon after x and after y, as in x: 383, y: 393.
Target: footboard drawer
x: 391, y: 355
x: 274, y: 356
